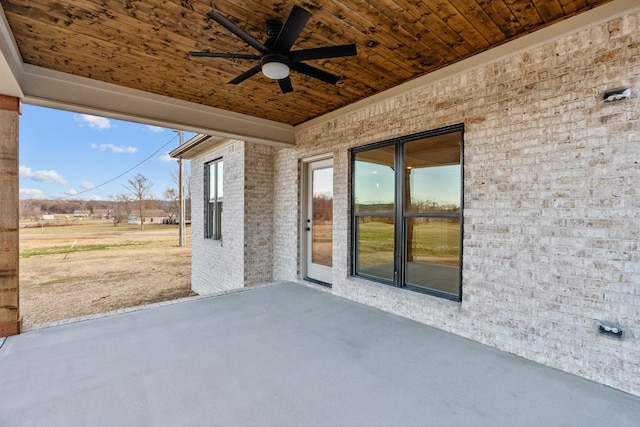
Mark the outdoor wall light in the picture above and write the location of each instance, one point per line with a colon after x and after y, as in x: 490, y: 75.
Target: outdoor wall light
x: 616, y: 94
x: 611, y: 330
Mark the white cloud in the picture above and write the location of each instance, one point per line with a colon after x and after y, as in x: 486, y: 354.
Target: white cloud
x: 93, y: 122
x: 156, y: 129
x: 31, y: 193
x: 166, y: 158
x: 42, y: 175
x: 114, y: 148
x: 71, y: 192
x: 86, y: 185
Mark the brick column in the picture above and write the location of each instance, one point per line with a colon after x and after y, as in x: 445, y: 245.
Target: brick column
x: 10, y: 321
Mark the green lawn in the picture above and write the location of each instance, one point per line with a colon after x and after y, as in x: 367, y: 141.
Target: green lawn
x: 53, y: 250
x: 433, y: 241
x: 87, y: 226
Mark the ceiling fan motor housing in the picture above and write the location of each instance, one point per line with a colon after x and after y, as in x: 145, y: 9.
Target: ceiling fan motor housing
x: 272, y: 27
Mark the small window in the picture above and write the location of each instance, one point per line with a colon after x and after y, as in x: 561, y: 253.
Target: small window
x: 213, y: 199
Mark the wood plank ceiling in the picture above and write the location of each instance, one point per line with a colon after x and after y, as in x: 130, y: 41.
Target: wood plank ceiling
x: 144, y: 44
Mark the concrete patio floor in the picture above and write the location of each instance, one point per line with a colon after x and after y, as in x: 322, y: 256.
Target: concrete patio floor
x: 284, y: 355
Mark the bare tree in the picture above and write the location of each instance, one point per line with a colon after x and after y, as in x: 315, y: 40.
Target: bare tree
x: 139, y: 186
x: 30, y: 209
x: 171, y: 196
x: 119, y: 208
x: 187, y: 196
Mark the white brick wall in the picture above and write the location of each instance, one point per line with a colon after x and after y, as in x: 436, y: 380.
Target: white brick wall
x: 244, y: 256
x: 286, y: 258
x: 552, y: 195
x: 258, y: 211
x: 219, y: 265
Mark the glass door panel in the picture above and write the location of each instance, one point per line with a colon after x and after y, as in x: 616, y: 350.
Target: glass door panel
x: 319, y: 221
x: 322, y: 217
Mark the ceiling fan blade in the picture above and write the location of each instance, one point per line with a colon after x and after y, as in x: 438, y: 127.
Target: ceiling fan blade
x: 291, y: 29
x: 314, y: 72
x: 323, y: 52
x: 244, y: 76
x: 285, y: 85
x: 223, y: 55
x: 243, y: 35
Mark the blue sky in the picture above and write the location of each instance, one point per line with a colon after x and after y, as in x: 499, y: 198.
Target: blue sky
x: 64, y: 154
x: 376, y: 184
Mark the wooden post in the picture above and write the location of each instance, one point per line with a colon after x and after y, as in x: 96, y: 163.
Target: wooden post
x: 10, y: 321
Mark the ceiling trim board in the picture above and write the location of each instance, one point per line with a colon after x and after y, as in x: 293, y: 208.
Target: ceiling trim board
x: 10, y: 62
x: 49, y: 88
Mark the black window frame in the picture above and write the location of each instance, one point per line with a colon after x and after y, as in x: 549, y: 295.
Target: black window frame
x: 400, y: 214
x: 212, y: 206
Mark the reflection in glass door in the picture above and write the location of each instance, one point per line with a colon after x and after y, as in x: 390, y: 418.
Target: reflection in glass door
x: 319, y: 221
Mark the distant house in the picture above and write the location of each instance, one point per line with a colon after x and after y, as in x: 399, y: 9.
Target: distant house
x: 157, y: 216
x: 133, y: 218
x: 81, y: 213
x: 101, y: 214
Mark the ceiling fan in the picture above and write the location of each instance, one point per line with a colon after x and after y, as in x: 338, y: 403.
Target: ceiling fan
x: 276, y: 57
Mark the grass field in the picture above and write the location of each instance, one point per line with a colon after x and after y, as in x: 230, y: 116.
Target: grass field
x: 435, y: 242
x: 92, y: 267
x: 323, y: 243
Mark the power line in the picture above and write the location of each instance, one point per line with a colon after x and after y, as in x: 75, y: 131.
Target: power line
x: 122, y: 174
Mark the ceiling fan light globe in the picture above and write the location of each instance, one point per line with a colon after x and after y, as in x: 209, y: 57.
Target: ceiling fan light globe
x: 275, y: 70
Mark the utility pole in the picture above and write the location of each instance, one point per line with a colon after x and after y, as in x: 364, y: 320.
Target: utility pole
x: 181, y: 208
x: 182, y: 220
